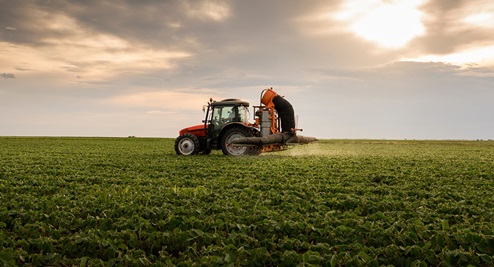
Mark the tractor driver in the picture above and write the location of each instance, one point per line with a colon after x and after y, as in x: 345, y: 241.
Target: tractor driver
x: 231, y: 116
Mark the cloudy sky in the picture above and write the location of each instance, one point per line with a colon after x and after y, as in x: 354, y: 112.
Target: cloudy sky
x: 415, y: 69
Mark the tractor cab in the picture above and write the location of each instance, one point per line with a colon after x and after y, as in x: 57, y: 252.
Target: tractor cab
x: 225, y: 113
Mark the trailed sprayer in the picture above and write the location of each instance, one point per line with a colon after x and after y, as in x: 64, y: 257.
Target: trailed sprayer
x: 227, y: 127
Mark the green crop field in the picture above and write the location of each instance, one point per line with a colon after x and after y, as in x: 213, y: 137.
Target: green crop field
x: 133, y: 202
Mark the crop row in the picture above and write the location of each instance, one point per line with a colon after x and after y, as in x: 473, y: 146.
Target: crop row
x: 111, y: 201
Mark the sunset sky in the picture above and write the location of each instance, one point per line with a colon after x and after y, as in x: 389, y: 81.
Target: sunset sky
x: 394, y: 69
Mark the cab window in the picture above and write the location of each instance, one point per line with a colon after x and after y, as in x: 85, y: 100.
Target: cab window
x: 243, y: 113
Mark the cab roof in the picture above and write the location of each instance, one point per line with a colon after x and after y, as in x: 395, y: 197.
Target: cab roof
x: 230, y: 102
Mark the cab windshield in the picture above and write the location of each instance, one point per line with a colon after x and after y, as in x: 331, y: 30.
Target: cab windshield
x: 226, y: 114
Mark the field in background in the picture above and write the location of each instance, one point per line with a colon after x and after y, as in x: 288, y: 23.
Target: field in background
x: 132, y: 201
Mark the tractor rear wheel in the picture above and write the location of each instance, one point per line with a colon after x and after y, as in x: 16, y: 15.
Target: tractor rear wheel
x: 187, y: 144
x: 233, y: 133
x: 254, y: 150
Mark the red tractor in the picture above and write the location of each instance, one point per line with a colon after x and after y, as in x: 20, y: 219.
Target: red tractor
x: 227, y: 127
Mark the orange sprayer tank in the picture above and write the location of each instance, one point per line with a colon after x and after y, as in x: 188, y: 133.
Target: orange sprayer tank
x: 267, y: 98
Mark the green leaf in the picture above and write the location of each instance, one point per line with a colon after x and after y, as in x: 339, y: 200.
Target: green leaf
x: 445, y: 225
x: 83, y: 261
x: 486, y: 258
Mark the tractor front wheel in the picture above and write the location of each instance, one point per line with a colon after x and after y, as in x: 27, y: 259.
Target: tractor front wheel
x: 187, y: 144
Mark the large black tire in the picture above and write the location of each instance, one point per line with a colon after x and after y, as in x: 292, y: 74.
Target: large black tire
x: 187, y: 144
x: 233, y: 133
x: 254, y: 150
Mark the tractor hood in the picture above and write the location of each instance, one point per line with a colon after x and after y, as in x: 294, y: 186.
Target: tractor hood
x: 197, y: 130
